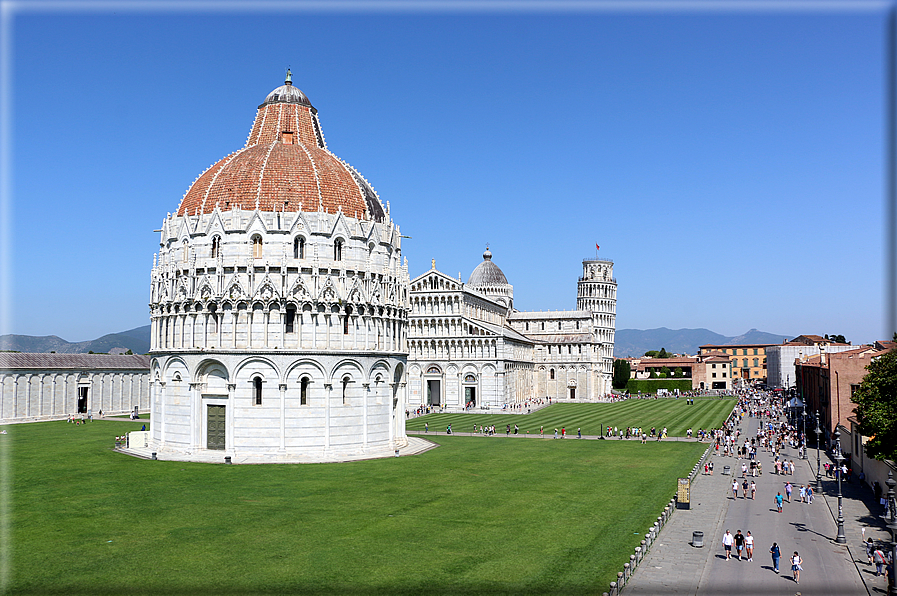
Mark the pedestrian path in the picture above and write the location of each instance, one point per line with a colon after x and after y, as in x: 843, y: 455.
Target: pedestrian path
x: 674, y: 566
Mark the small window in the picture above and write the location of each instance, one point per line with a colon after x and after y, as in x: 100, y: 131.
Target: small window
x: 299, y: 247
x: 559, y: 324
x: 186, y: 253
x: 338, y: 250
x: 551, y: 374
x: 755, y: 352
x: 216, y: 246
x: 345, y: 388
x: 257, y: 247
x: 756, y: 361
x: 713, y: 365
x: 303, y: 392
x: 543, y: 325
x: 257, y: 386
x: 527, y: 326
x: 346, y: 324
x: 714, y: 375
x: 291, y: 320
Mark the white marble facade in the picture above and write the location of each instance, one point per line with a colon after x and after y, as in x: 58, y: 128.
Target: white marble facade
x: 54, y: 386
x: 279, y: 304
x: 469, y: 346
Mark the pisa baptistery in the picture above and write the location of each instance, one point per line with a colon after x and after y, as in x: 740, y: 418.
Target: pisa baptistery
x: 279, y: 304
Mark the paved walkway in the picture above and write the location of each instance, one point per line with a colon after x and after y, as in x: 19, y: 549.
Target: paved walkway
x: 414, y: 446
x: 673, y: 566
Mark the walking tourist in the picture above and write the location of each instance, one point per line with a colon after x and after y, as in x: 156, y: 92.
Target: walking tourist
x: 796, y: 566
x: 728, y: 540
x: 739, y: 543
x: 776, y: 554
x: 749, y: 546
x: 779, y: 500
x: 878, y: 557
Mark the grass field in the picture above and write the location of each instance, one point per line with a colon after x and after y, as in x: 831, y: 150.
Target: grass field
x: 674, y: 414
x: 476, y: 516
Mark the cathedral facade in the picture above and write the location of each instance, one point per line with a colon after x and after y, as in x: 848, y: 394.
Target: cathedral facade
x: 469, y: 347
x: 279, y: 303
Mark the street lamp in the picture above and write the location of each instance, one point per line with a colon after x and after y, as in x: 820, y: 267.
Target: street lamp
x: 804, y: 438
x: 818, y: 475
x: 840, y: 539
x: 892, y: 525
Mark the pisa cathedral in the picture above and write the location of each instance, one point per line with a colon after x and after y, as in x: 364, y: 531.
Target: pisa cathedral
x: 469, y: 347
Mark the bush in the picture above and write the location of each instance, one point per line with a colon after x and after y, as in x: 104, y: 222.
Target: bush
x: 652, y: 385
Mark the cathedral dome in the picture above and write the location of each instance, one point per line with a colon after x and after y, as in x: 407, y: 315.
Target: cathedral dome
x: 284, y: 166
x: 487, y: 273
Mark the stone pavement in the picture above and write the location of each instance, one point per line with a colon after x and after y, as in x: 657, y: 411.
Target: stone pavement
x: 414, y: 446
x: 673, y: 566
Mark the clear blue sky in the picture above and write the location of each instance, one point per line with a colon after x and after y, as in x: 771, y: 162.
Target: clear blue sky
x: 730, y: 162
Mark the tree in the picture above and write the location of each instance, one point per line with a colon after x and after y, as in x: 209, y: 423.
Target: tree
x: 836, y: 338
x: 652, y: 353
x: 665, y: 371
x: 876, y: 401
x: 622, y: 371
x: 663, y: 353
x: 677, y: 372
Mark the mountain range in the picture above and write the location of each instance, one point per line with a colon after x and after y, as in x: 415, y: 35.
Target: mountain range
x: 137, y: 340
x: 629, y: 342
x: 635, y: 342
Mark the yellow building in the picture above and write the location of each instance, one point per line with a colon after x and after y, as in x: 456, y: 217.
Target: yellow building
x: 747, y: 361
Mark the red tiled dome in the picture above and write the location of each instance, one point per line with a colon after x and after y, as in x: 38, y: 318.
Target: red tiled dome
x: 284, y: 166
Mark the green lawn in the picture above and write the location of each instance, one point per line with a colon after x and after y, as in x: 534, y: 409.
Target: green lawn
x: 672, y: 413
x: 476, y: 516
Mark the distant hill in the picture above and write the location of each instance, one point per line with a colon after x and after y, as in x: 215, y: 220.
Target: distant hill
x: 137, y: 340
x: 635, y: 342
x: 629, y: 342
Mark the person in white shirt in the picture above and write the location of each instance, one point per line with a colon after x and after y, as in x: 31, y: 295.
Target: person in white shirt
x: 728, y: 540
x: 749, y: 546
x: 795, y: 566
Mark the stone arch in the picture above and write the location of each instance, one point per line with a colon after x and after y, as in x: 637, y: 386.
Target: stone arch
x: 240, y: 369
x: 347, y: 364
x: 214, y: 377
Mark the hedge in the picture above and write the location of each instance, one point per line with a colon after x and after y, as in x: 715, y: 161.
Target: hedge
x: 652, y: 385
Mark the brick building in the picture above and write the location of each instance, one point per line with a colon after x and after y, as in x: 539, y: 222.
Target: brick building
x: 826, y: 382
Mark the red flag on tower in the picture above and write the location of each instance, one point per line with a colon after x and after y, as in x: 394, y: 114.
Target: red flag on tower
x: 596, y: 246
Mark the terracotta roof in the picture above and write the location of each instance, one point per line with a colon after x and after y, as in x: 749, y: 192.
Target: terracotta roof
x: 572, y: 338
x: 730, y: 346
x: 284, y: 166
x: 668, y: 361
x: 15, y: 360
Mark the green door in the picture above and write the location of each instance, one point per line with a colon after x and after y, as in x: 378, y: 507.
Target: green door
x: 215, y: 427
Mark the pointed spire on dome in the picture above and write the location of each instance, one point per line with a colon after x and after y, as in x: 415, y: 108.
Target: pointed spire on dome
x: 289, y: 79
x: 487, y: 255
